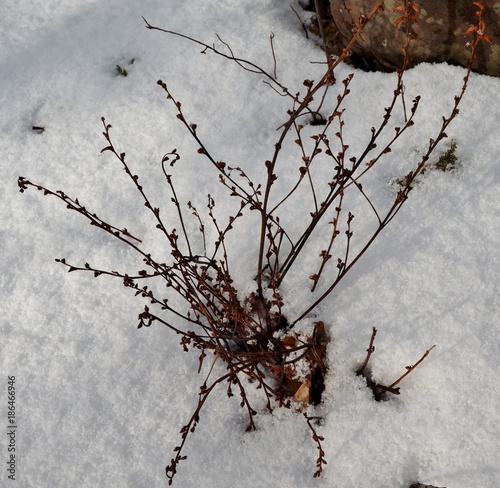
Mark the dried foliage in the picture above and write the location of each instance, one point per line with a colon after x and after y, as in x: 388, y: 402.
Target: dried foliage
x: 379, y: 390
x: 252, y: 335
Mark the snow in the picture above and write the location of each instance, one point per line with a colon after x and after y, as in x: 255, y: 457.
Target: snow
x: 100, y: 403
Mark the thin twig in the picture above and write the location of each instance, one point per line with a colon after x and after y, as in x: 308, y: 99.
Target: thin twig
x: 271, y: 37
x: 302, y: 23
x: 409, y: 369
x: 369, y: 352
x: 320, y: 461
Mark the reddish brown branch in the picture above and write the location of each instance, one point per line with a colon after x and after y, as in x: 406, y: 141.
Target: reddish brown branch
x: 369, y: 352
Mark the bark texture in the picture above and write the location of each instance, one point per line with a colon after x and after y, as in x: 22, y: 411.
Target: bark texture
x: 439, y: 34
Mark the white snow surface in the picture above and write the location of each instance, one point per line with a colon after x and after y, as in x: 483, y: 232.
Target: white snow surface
x: 100, y: 403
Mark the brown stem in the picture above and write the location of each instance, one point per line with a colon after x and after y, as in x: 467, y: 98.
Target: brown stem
x: 369, y: 352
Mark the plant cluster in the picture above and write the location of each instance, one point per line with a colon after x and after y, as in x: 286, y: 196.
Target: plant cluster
x: 253, y: 336
x: 447, y: 161
x: 121, y: 71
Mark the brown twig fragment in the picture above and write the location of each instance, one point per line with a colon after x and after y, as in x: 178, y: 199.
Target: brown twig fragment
x: 409, y: 369
x: 392, y: 387
x: 320, y: 461
x: 369, y: 352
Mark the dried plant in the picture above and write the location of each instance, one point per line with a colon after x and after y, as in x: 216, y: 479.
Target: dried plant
x: 253, y: 336
x: 379, y: 390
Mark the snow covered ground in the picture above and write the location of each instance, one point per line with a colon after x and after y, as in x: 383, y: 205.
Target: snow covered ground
x: 100, y: 403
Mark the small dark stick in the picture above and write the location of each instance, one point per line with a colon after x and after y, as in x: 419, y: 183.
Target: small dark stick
x: 369, y: 351
x: 420, y: 485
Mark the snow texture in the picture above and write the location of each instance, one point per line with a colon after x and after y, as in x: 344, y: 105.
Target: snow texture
x: 100, y: 403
